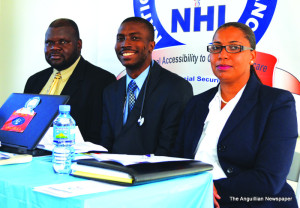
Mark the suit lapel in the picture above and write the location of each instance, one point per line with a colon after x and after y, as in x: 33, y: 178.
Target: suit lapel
x: 200, y: 116
x: 245, y: 104
x: 154, y: 78
x: 75, y: 81
x: 42, y: 81
x: 120, y: 102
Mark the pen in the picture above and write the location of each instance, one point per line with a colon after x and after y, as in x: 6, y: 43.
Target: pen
x: 147, y: 156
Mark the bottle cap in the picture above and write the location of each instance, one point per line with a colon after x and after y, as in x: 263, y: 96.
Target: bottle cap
x: 64, y: 108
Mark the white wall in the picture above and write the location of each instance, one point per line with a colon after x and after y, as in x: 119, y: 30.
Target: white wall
x: 23, y: 24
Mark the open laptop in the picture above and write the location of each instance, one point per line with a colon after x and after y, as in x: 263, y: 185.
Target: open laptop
x: 46, y: 112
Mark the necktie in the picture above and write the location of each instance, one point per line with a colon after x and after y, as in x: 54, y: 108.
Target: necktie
x: 54, y: 83
x: 131, y: 97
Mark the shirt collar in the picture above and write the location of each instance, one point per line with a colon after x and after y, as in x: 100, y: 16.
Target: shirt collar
x: 217, y: 99
x: 236, y: 97
x: 139, y: 80
x: 66, y: 73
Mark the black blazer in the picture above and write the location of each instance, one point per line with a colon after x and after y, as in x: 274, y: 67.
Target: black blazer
x: 85, y: 87
x: 165, y: 99
x: 255, y: 148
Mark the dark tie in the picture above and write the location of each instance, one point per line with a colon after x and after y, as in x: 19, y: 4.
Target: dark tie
x: 131, y: 97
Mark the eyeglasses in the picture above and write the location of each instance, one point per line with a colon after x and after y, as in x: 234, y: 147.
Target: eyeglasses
x: 228, y: 48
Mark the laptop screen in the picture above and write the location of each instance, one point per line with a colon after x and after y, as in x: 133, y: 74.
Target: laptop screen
x: 46, y: 111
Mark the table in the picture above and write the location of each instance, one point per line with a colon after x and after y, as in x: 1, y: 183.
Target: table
x: 17, y: 181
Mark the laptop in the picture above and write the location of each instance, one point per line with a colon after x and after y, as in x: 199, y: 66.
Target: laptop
x: 46, y: 111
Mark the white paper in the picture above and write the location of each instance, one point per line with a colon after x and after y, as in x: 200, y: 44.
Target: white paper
x: 76, y: 188
x: 80, y: 145
x: 134, y: 159
x: 5, y: 155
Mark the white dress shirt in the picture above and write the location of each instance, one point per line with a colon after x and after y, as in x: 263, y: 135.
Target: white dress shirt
x: 213, y: 125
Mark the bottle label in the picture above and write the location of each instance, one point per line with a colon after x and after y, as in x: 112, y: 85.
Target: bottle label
x: 65, y: 134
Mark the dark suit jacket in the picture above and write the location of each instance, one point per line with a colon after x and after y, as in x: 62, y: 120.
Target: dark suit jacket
x: 165, y: 99
x: 85, y: 87
x: 255, y: 148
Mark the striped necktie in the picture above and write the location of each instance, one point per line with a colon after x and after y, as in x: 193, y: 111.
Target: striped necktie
x: 54, y: 84
x: 131, y: 97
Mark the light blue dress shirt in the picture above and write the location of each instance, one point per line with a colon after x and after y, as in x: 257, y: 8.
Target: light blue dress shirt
x: 139, y: 82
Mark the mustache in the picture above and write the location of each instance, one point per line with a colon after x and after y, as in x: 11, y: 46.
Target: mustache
x: 55, y: 54
x: 126, y: 49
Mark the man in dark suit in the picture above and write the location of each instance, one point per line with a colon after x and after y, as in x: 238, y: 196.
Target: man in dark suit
x: 79, y: 79
x: 159, y: 97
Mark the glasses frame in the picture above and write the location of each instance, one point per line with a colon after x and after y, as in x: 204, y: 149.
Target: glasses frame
x: 242, y: 48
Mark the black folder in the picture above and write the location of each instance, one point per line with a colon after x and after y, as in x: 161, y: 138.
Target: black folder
x: 46, y: 112
x: 136, y: 174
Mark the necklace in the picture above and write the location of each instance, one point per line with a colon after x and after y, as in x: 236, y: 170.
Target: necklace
x: 223, y: 100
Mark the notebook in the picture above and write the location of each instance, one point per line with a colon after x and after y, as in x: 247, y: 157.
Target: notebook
x: 46, y: 111
x: 130, y: 171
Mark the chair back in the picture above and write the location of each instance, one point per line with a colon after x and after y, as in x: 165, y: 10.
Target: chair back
x: 294, y: 174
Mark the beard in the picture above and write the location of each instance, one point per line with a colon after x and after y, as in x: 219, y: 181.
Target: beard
x: 63, y: 62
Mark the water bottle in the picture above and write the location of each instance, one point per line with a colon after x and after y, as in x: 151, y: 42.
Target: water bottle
x: 64, y: 140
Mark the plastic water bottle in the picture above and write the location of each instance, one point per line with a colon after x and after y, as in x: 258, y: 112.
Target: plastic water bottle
x: 63, y: 139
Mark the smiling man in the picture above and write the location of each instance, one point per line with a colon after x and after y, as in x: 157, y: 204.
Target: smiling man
x: 141, y: 111
x: 70, y: 74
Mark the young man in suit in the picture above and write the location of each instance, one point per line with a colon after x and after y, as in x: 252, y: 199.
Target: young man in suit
x: 141, y: 111
x: 74, y: 76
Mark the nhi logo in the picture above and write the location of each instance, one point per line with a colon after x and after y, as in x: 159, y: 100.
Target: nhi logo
x: 177, y: 19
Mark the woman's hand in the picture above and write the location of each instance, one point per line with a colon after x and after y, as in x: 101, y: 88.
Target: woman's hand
x: 216, y: 197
